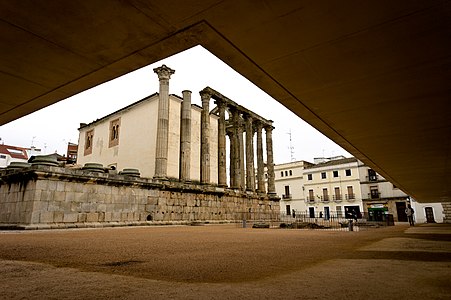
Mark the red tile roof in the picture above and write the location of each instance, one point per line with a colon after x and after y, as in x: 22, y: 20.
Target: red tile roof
x: 13, y: 151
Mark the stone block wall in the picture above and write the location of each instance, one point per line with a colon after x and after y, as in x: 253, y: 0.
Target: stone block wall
x: 52, y: 197
x: 446, y: 212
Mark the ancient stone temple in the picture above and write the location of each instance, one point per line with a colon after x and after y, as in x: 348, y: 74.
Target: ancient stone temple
x: 160, y: 159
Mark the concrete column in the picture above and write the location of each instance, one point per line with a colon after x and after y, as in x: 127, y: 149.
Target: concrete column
x: 185, y: 137
x: 205, y: 138
x: 260, y: 163
x: 222, y: 152
x: 235, y: 163
x: 241, y: 149
x: 161, y: 154
x: 270, y: 160
x: 250, y: 171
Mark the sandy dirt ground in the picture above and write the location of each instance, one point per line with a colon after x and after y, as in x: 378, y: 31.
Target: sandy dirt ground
x: 226, y: 262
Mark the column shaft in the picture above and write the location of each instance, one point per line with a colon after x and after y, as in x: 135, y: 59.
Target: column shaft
x: 260, y: 163
x: 185, y: 137
x: 250, y: 171
x: 242, y: 178
x: 205, y: 138
x: 270, y: 160
x: 222, y: 152
x: 161, y: 152
x: 235, y: 143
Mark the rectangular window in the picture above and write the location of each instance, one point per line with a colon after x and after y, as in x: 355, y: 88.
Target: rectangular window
x: 281, y: 174
x: 348, y: 172
x: 372, y: 176
x: 335, y: 173
x: 291, y: 173
x: 374, y: 192
x: 114, y: 132
x: 338, y: 210
x: 309, y: 176
x: 287, y: 192
x: 311, y: 196
x: 337, y: 195
x: 89, y: 141
x: 286, y: 173
x: 325, y: 195
x: 350, y: 194
x: 323, y: 175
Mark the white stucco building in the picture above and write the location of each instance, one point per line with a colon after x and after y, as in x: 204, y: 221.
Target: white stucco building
x: 332, y: 187
x: 127, y: 139
x: 9, y: 154
x: 380, y: 196
x: 427, y: 212
x: 289, y: 186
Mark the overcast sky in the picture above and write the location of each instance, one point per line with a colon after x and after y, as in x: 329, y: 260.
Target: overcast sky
x: 53, y: 127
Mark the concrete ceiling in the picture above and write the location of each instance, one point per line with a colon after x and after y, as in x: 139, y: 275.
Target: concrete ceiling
x: 374, y: 76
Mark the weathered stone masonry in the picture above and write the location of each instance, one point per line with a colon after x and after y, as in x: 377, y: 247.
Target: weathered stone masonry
x: 42, y: 197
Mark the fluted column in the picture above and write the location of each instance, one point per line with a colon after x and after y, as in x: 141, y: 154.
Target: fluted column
x: 260, y: 163
x: 230, y: 133
x: 250, y: 171
x: 161, y: 152
x: 222, y: 152
x: 242, y: 180
x: 185, y: 137
x: 270, y: 160
x: 205, y: 138
x: 235, y: 150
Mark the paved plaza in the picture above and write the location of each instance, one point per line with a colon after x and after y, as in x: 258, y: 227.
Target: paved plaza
x: 226, y: 262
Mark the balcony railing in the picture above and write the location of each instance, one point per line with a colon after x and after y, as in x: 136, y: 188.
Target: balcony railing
x: 325, y: 198
x: 287, y: 197
x: 310, y: 198
x: 337, y: 197
x: 350, y: 196
x: 374, y: 195
x: 372, y: 178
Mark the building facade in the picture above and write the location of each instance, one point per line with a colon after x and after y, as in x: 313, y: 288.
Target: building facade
x: 379, y: 196
x: 289, y: 186
x: 341, y: 187
x: 332, y: 187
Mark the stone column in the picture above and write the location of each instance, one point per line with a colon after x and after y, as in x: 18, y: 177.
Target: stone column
x: 161, y: 154
x: 260, y: 163
x: 230, y: 133
x: 241, y: 149
x: 235, y: 150
x: 250, y: 171
x: 222, y: 152
x: 185, y: 137
x: 205, y: 138
x: 270, y: 160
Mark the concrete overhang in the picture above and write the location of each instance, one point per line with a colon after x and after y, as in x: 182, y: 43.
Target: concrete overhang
x: 374, y: 76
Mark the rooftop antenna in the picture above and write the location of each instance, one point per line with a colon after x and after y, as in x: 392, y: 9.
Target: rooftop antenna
x: 291, y: 148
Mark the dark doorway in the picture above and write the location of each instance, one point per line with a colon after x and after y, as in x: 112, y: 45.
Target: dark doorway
x: 288, y: 210
x: 311, y: 211
x: 401, y: 211
x: 429, y: 215
x: 326, y: 213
